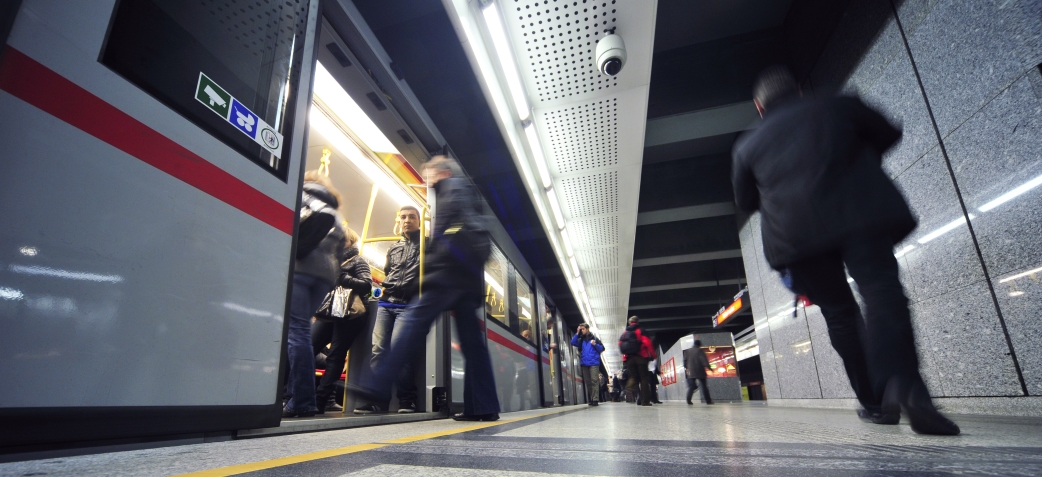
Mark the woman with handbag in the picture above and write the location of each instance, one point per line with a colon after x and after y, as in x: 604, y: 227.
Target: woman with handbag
x: 342, y: 318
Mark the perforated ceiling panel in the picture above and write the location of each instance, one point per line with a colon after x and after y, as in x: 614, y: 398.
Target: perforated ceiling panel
x: 585, y: 136
x: 595, y: 232
x: 592, y: 194
x: 559, y: 42
x: 591, y: 127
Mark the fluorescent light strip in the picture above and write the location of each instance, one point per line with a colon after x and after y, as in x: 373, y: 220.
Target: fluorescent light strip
x: 575, y: 266
x: 537, y: 154
x: 68, y: 274
x: 555, y: 206
x: 495, y: 284
x: 347, y: 148
x: 904, y: 251
x: 1021, y: 275
x: 945, y: 229
x: 506, y: 59
x: 567, y: 242
x: 1002, y: 199
x: 344, y: 106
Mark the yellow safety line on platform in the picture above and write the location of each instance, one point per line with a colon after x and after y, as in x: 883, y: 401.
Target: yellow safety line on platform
x: 296, y: 459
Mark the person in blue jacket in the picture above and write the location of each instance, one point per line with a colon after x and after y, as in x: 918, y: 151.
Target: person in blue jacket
x: 590, y: 349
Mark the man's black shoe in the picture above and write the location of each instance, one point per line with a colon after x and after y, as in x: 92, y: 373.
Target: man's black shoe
x: 370, y: 409
x: 475, y: 417
x: 406, y: 408
x: 286, y: 412
x: 689, y: 403
x: 878, y: 417
x: 328, y: 405
x: 913, y: 398
x: 593, y: 403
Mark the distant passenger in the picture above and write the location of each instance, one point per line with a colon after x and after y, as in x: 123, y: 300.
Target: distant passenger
x: 400, y: 287
x: 616, y: 388
x: 813, y: 169
x: 636, y: 350
x: 590, y: 349
x: 339, y: 334
x: 320, y: 246
x: 604, y: 387
x: 454, y: 275
x: 697, y: 363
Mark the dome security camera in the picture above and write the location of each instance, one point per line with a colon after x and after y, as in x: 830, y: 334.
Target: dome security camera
x: 611, y: 54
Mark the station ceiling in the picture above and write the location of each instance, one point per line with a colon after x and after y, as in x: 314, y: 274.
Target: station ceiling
x: 686, y: 257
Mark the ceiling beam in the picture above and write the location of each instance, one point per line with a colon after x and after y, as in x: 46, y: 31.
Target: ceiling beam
x: 690, y: 212
x: 689, y: 257
x: 680, y: 286
x: 702, y: 123
x: 671, y: 305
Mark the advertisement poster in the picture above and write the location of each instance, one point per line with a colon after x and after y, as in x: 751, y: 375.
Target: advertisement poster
x: 669, y: 373
x: 721, y: 362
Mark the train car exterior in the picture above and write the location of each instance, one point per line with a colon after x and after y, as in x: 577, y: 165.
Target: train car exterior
x: 154, y: 153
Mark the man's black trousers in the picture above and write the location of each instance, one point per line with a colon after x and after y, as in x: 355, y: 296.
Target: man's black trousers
x: 880, y: 346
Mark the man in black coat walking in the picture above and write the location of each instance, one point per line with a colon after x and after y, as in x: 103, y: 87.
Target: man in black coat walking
x: 813, y: 169
x: 696, y: 363
x: 452, y: 281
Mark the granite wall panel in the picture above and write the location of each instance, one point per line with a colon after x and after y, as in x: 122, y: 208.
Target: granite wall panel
x: 969, y: 51
x: 939, y: 255
x: 1019, y: 294
x: 832, y: 377
x: 965, y: 344
x: 795, y: 358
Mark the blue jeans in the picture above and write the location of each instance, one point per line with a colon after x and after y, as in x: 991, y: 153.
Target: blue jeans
x: 383, y: 330
x: 408, y: 338
x: 306, y: 297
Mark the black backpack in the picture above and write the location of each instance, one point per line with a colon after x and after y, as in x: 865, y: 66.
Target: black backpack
x: 317, y: 219
x: 629, y: 343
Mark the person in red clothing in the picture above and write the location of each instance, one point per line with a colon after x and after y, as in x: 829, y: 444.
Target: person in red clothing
x: 636, y: 350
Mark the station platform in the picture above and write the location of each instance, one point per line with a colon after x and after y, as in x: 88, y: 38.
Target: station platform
x: 613, y: 439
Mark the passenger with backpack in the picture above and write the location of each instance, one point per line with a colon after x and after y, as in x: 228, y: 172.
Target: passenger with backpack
x: 590, y: 349
x: 636, y: 350
x: 320, y: 247
x: 453, y: 277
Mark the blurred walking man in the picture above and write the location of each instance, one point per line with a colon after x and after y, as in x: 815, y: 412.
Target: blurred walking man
x: 697, y: 363
x: 813, y: 169
x: 590, y: 349
x: 453, y: 278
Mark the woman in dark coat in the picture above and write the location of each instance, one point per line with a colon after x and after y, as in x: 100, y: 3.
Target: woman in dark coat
x: 356, y: 276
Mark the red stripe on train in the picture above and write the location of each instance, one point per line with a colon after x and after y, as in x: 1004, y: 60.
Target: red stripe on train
x: 34, y: 83
x: 498, y: 338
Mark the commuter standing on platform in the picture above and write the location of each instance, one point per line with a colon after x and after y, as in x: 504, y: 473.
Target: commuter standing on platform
x: 320, y: 246
x: 590, y: 349
x: 453, y: 277
x: 697, y: 363
x: 636, y: 351
x: 813, y: 168
x: 400, y: 286
x: 616, y: 388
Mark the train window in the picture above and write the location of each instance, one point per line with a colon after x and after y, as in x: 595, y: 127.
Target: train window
x: 495, y: 288
x: 525, y: 305
x: 233, y: 71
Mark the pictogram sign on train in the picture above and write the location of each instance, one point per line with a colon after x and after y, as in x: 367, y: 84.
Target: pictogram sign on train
x: 211, y: 95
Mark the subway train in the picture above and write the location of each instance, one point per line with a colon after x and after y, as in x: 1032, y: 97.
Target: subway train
x: 145, y: 287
